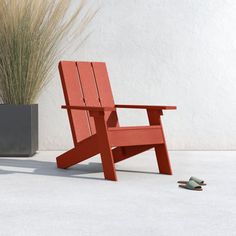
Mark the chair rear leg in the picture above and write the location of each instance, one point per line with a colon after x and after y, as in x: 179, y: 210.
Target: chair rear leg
x: 70, y: 158
x: 80, y: 153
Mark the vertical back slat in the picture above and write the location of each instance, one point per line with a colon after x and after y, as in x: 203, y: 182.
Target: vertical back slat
x: 105, y: 92
x: 103, y: 83
x: 89, y: 88
x: 73, y: 96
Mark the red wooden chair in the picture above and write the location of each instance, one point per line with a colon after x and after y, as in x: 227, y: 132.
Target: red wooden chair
x: 94, y: 122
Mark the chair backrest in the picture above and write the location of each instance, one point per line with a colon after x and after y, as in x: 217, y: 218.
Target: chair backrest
x: 86, y: 84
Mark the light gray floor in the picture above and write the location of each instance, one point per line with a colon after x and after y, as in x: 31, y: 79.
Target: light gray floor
x: 36, y: 198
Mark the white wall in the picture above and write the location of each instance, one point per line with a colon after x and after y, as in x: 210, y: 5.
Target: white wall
x: 173, y: 52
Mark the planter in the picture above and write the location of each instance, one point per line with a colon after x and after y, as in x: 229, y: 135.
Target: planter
x: 18, y: 130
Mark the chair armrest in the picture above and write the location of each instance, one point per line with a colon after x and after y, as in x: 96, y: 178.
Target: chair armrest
x: 146, y: 107
x: 88, y: 108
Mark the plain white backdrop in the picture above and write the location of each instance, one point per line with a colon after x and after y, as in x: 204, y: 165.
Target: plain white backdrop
x: 170, y: 52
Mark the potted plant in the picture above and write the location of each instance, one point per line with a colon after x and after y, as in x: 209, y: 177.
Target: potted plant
x: 30, y: 36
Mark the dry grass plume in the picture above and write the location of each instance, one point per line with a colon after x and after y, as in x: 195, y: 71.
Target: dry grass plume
x: 30, y: 35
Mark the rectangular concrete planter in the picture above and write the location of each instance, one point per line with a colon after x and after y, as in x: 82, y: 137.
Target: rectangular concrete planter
x: 18, y: 130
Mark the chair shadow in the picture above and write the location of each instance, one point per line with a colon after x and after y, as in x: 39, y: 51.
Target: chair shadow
x: 138, y: 171
x: 49, y: 168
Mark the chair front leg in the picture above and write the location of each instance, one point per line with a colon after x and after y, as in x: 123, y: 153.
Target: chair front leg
x: 162, y: 156
x: 104, y: 145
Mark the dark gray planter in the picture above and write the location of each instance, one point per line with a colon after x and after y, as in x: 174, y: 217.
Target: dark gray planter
x: 18, y: 130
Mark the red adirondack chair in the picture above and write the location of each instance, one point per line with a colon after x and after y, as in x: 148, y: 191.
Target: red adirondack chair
x: 94, y: 122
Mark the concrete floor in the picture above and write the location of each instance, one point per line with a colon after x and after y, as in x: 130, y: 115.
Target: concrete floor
x: 36, y: 198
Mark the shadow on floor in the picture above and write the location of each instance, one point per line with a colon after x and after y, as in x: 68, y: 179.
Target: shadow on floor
x: 49, y: 168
